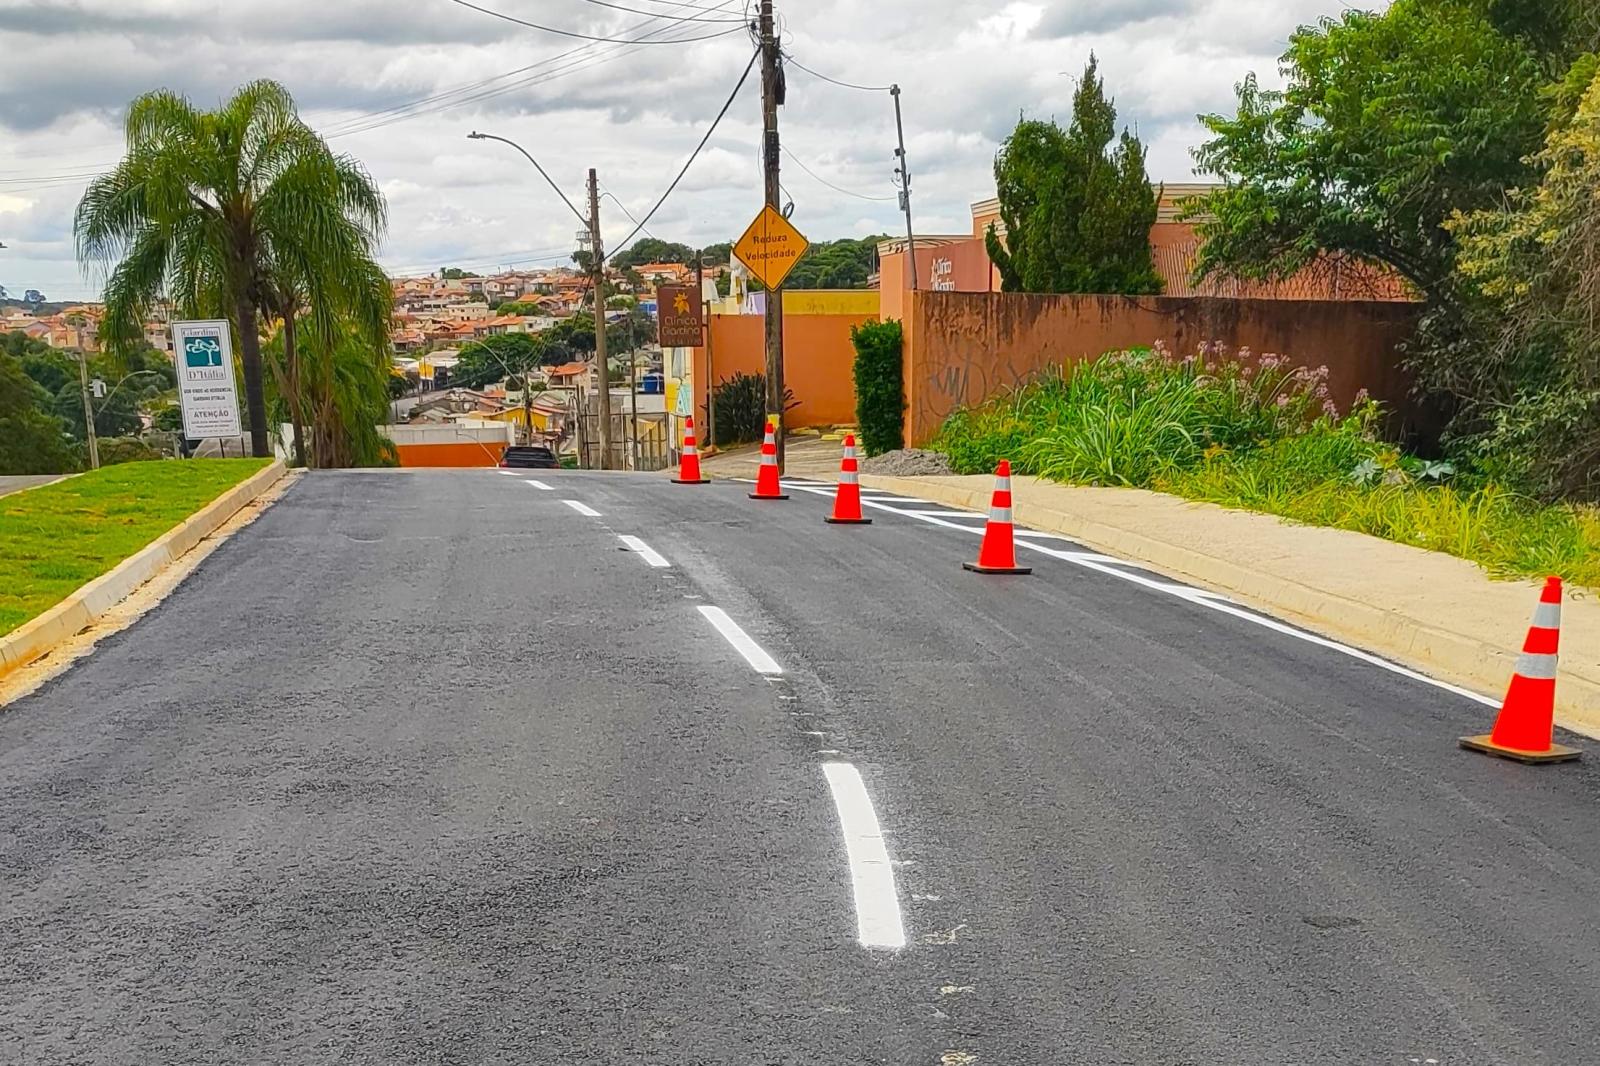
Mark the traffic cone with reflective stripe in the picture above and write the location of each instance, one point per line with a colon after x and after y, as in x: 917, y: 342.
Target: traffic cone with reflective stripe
x: 847, y: 500
x: 1523, y: 731
x: 998, y: 553
x: 689, y: 466
x: 767, y: 486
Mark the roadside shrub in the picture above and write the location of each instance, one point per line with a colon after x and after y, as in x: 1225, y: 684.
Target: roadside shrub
x: 742, y: 408
x: 1128, y: 416
x: 115, y: 450
x: 1265, y: 438
x: 880, y: 395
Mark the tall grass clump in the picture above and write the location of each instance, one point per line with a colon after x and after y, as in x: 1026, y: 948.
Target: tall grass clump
x: 1259, y: 434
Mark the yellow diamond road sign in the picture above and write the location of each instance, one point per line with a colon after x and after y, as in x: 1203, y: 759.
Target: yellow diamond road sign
x: 770, y: 247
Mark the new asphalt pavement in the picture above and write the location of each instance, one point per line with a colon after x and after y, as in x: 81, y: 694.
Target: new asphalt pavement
x: 467, y: 767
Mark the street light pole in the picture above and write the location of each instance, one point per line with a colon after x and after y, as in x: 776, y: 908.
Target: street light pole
x: 905, y: 185
x: 88, y: 411
x: 591, y: 222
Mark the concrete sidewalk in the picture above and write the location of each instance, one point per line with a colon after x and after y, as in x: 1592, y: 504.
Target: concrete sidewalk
x: 804, y: 456
x: 1434, y: 612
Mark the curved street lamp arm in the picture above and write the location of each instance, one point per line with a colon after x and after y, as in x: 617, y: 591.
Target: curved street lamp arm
x: 476, y: 136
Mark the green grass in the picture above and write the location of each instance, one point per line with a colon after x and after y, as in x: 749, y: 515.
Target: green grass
x: 1263, y: 440
x: 57, y: 538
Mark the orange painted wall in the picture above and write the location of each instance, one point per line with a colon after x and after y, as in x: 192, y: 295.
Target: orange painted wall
x: 454, y: 455
x: 962, y: 348
x: 818, y: 362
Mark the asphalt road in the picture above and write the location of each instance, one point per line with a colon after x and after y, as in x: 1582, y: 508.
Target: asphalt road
x: 436, y: 768
x: 10, y: 483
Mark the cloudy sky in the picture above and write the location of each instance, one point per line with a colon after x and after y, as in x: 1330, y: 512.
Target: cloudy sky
x: 400, y: 84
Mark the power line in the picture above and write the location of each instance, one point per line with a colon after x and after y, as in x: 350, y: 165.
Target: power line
x: 829, y: 184
x: 714, y: 122
x: 589, y: 36
x: 586, y: 56
x: 662, y: 14
x: 625, y: 211
x: 582, y: 57
x: 836, y: 81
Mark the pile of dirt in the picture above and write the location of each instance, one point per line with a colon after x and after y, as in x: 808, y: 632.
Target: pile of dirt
x: 907, y: 462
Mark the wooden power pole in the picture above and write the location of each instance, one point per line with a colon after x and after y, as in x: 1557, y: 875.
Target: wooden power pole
x: 597, y: 269
x: 772, y: 92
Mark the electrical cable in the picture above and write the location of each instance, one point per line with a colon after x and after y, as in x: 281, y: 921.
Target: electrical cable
x: 443, y: 101
x: 663, y: 14
x: 588, y: 36
x: 581, y: 57
x: 607, y: 192
x: 836, y: 81
x: 692, y: 156
x: 829, y: 184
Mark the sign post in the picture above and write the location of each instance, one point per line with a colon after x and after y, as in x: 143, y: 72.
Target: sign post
x: 207, y: 393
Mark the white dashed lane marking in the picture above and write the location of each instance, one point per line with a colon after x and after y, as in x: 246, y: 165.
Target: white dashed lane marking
x: 649, y: 554
x: 539, y: 484
x: 582, y: 508
x: 753, y: 653
x: 878, y: 922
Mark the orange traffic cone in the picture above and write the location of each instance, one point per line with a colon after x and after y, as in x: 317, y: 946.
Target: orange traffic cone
x: 998, y: 553
x: 689, y: 467
x: 1523, y: 729
x: 847, y: 500
x: 767, y: 486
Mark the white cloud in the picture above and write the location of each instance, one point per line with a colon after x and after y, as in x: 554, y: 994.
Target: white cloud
x: 633, y: 112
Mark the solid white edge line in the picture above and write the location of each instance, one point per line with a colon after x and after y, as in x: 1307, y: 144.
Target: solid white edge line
x: 582, y: 508
x: 1205, y: 598
x: 878, y: 921
x: 538, y: 484
x: 649, y: 554
x: 753, y: 653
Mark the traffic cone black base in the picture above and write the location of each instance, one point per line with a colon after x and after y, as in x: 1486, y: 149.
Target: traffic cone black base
x: 777, y: 496
x: 976, y: 569
x: 691, y: 481
x: 832, y: 521
x: 1557, y: 752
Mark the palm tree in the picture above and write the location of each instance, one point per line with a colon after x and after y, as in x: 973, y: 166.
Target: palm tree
x: 241, y: 212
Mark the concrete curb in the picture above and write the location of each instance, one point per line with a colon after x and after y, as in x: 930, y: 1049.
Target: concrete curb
x: 1454, y: 657
x: 72, y: 615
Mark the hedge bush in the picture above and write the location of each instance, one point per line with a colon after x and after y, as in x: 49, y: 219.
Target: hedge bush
x: 880, y: 397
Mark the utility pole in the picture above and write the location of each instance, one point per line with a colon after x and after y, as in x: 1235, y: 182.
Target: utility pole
x: 597, y: 268
x: 705, y: 334
x: 772, y: 92
x: 905, y: 186
x: 88, y: 411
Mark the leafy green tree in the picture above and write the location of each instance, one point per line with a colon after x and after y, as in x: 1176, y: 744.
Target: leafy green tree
x: 495, y: 358
x: 220, y: 212
x: 1536, y: 262
x: 32, y: 441
x: 456, y: 274
x: 1389, y: 124
x: 651, y: 250
x: 114, y: 416
x: 1077, y: 211
x: 517, y: 307
x: 840, y: 264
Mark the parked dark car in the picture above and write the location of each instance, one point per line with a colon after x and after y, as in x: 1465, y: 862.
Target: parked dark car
x: 530, y: 457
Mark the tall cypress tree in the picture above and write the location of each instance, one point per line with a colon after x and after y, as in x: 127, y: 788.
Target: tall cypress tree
x: 1077, y: 211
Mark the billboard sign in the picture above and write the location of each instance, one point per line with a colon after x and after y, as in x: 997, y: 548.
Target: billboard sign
x: 203, y: 354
